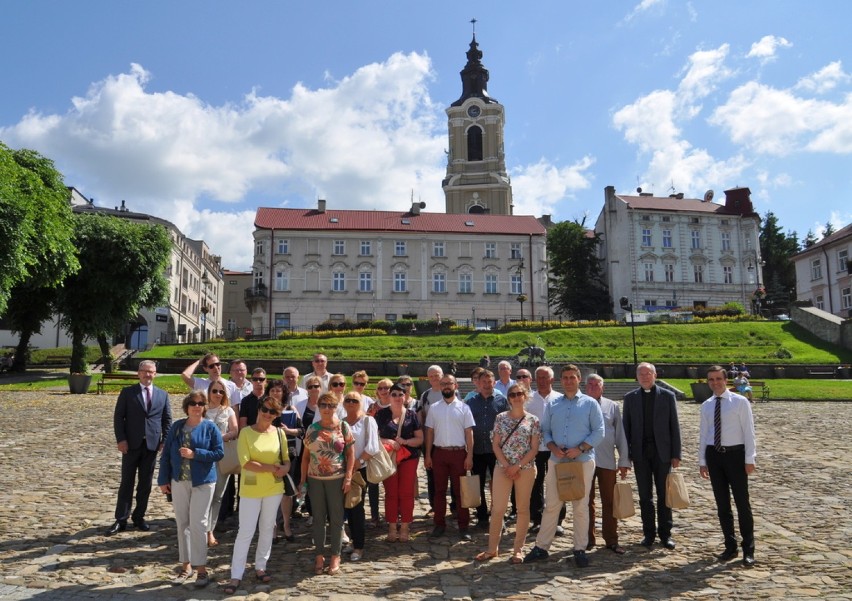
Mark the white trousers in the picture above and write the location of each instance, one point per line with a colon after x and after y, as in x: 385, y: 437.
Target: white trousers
x: 191, y: 504
x: 553, y: 504
x: 255, y: 514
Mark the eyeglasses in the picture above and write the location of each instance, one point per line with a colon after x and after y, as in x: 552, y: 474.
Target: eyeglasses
x: 217, y: 364
x: 196, y: 404
x: 313, y: 386
x: 522, y: 377
x: 513, y: 395
x: 397, y: 394
x: 405, y: 384
x: 359, y: 383
x: 326, y: 405
x: 217, y: 392
x: 351, y: 401
x: 337, y: 384
x: 382, y: 387
x: 258, y: 379
x: 320, y: 361
x: 266, y: 409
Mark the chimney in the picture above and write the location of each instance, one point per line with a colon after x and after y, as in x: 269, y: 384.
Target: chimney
x: 738, y: 201
x: 321, y: 205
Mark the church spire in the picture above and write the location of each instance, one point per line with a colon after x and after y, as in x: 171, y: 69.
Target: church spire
x: 474, y: 76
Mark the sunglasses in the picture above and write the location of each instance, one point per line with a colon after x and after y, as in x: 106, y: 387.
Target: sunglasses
x: 209, y: 365
x: 217, y: 392
x: 258, y: 379
x: 406, y: 384
x: 383, y: 388
x: 337, y: 384
x: 266, y: 409
x: 523, y: 377
x: 314, y: 386
x: 513, y: 395
x: 196, y: 404
x: 359, y: 383
x: 351, y: 401
x: 397, y: 394
x: 326, y: 405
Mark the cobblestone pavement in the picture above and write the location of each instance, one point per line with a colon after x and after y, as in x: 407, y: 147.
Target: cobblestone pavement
x: 60, y: 473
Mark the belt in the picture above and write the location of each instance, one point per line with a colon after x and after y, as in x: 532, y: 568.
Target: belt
x: 736, y: 447
x: 451, y: 448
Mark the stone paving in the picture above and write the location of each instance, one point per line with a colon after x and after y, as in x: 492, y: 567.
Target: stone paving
x: 59, y: 474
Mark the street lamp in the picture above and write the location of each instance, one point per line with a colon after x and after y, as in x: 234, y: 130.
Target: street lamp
x: 625, y: 304
x: 521, y: 296
x: 205, y: 309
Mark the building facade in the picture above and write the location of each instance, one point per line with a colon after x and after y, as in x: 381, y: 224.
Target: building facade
x: 236, y: 316
x: 824, y: 273
x: 663, y: 253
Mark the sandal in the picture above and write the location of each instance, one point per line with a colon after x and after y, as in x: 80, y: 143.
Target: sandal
x: 516, y: 559
x: 485, y: 556
x: 333, y: 570
x: 263, y: 576
x: 404, y: 533
x: 319, y: 566
x: 182, y: 577
x: 231, y: 587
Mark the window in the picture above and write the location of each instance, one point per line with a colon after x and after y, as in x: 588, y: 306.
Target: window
x: 726, y: 241
x: 474, y: 144
x: 694, y: 220
x: 282, y: 280
x: 438, y: 249
x: 819, y: 302
x: 336, y: 317
x: 258, y: 278
x: 846, y: 298
x: 666, y: 219
x: 364, y: 316
x: 399, y: 282
x: 515, y: 252
x: 667, y: 238
x: 283, y: 247
x: 646, y: 236
x: 816, y: 269
x: 465, y: 283
x: 338, y: 281
x: 339, y: 247
x: 842, y: 256
x: 696, y: 239
x: 490, y: 284
x: 232, y: 324
x: 490, y: 250
x: 258, y: 247
x: 669, y: 270
x: 517, y: 284
x: 399, y: 248
x: 391, y: 317
x: 728, y: 274
x: 282, y: 321
x: 439, y: 283
x: 698, y: 272
x: 650, y: 303
x: 365, y: 281
x: 366, y: 248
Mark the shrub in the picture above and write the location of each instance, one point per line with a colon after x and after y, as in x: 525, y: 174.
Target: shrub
x: 783, y: 353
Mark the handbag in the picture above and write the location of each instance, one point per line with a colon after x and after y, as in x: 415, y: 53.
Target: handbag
x: 230, y: 462
x: 570, y: 481
x: 289, y: 485
x: 622, y: 501
x: 402, y: 453
x: 469, y: 485
x: 355, y: 495
x: 380, y: 466
x: 677, y: 497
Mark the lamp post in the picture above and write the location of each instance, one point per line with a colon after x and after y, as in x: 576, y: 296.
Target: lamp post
x: 625, y: 304
x: 521, y: 296
x: 205, y: 308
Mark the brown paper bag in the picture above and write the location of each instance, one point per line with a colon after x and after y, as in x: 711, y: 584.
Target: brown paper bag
x: 569, y: 481
x: 677, y: 497
x: 622, y: 501
x: 356, y: 491
x: 469, y: 485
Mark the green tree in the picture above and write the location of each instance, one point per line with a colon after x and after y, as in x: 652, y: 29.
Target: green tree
x: 577, y: 288
x: 777, y: 249
x: 828, y: 230
x: 121, y: 271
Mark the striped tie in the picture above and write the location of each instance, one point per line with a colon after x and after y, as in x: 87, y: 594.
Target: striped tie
x: 717, y: 424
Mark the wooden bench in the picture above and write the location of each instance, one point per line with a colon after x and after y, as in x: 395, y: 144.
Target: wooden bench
x: 120, y: 380
x: 757, y: 386
x: 821, y: 372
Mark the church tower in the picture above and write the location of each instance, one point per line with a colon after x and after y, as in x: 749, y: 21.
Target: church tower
x: 476, y: 181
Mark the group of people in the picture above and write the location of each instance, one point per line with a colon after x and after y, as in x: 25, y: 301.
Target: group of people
x: 310, y: 441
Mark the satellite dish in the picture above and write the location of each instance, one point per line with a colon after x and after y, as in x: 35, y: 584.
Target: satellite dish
x: 708, y: 196
x: 639, y: 190
x: 422, y: 205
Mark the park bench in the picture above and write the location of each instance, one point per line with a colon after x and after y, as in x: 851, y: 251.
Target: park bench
x: 759, y: 390
x: 120, y: 380
x: 821, y: 372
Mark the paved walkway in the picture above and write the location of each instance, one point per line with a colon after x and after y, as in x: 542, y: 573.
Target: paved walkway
x: 59, y: 473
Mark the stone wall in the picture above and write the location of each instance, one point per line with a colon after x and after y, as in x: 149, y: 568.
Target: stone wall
x: 824, y: 325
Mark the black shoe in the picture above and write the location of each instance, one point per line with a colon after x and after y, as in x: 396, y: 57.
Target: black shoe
x: 483, y: 525
x: 142, y: 525
x: 535, y: 527
x: 580, y: 559
x: 464, y: 536
x: 438, y: 532
x: 590, y: 545
x: 648, y: 541
x: 728, y: 555
x: 669, y: 544
x: 748, y: 559
x: 118, y: 526
x: 536, y: 554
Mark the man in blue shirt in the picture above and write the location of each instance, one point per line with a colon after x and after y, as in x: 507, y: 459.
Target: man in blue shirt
x: 571, y: 428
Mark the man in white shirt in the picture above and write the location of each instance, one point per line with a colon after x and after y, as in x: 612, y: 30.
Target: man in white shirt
x: 291, y: 382
x: 433, y: 395
x: 449, y: 454
x: 320, y: 365
x: 239, y: 371
x: 211, y: 364
x: 726, y: 452
x: 504, y: 375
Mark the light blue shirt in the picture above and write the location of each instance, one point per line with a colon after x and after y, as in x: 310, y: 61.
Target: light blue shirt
x: 504, y: 388
x: 570, y: 422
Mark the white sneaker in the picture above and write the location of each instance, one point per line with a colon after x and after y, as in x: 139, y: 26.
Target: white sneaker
x: 357, y: 555
x: 345, y: 540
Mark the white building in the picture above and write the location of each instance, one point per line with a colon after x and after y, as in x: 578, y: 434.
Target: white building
x: 667, y: 252
x: 824, y: 273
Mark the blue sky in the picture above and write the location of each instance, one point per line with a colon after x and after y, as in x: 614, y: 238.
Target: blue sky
x: 201, y: 111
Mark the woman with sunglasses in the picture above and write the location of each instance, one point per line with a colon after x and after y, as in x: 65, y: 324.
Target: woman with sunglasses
x: 188, y: 473
x: 337, y: 386
x: 328, y: 461
x: 290, y: 424
x: 382, y: 401
x: 515, y: 441
x: 365, y: 432
x: 407, y: 385
x: 263, y: 454
x: 219, y: 412
x: 308, y: 410
x: 360, y: 380
x: 399, y: 488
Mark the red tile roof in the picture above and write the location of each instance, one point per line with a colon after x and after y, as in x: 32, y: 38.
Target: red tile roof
x: 394, y: 221
x: 658, y: 203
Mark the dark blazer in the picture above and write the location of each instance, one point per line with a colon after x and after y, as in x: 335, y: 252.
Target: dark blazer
x: 666, y: 425
x: 134, y: 424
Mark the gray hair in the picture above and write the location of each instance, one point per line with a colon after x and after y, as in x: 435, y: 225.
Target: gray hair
x: 646, y: 365
x: 546, y: 368
x: 435, y: 368
x: 594, y: 377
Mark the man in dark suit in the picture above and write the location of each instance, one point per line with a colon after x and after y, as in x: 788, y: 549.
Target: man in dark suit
x: 653, y: 439
x: 141, y: 421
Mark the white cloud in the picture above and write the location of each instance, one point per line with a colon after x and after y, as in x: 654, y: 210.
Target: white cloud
x: 704, y: 70
x: 765, y: 48
x: 824, y: 80
x: 537, y: 188
x: 642, y: 7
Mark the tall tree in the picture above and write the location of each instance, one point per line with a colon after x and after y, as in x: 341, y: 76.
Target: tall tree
x: 777, y: 250
x: 122, y: 265
x: 577, y: 288
x: 828, y: 230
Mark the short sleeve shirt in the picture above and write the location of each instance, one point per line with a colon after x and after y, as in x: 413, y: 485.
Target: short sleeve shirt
x: 519, y: 442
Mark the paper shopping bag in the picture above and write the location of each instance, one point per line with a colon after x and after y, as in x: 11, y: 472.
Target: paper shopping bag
x: 569, y: 481
x: 469, y: 491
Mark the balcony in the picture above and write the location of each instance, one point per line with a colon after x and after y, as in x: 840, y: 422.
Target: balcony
x: 256, y: 293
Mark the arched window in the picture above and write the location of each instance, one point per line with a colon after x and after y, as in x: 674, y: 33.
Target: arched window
x: 474, y: 144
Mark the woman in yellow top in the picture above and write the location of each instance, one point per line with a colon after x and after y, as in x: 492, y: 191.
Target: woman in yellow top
x: 263, y: 455
x: 328, y: 459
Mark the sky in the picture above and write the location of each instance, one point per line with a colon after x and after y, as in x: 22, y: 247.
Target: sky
x: 201, y: 111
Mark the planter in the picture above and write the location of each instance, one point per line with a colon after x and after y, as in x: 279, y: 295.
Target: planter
x: 608, y: 371
x: 779, y: 372
x: 401, y: 369
x: 843, y: 372
x: 79, y: 383
x: 700, y: 391
x: 692, y: 372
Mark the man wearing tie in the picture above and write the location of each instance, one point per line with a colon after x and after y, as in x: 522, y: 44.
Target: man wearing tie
x: 726, y: 452
x: 141, y: 420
